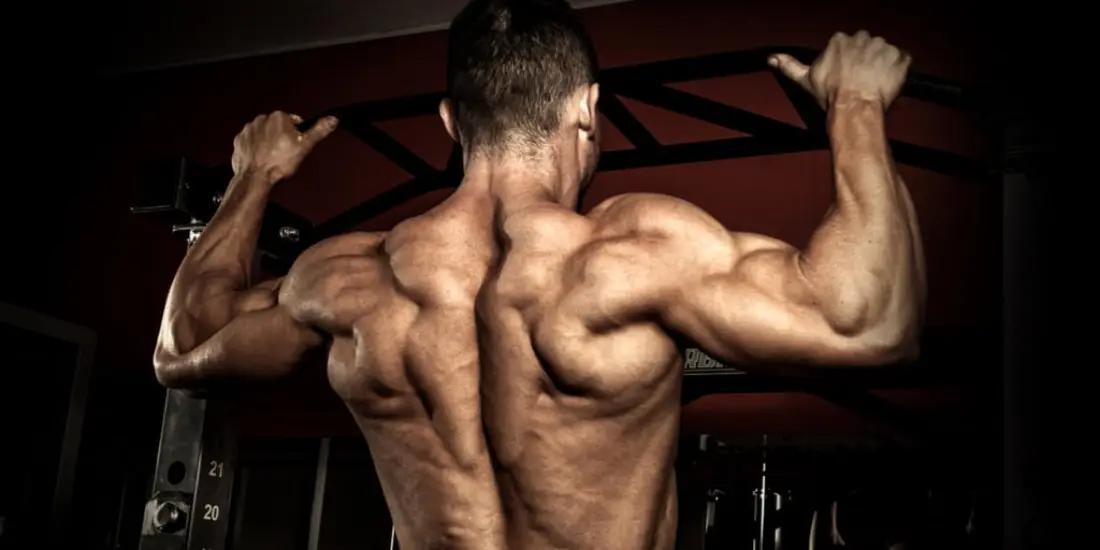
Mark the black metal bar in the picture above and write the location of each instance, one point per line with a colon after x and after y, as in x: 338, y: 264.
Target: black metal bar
x: 918, y: 85
x: 788, y: 138
x: 812, y: 115
x: 635, y: 132
x: 940, y: 91
x: 211, y: 518
x: 168, y: 512
x: 691, y: 68
x: 193, y: 483
x: 383, y: 109
x: 390, y: 148
x: 942, y: 162
x: 720, y: 114
x: 383, y: 202
x: 702, y: 151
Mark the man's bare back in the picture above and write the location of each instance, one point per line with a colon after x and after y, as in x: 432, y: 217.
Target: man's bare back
x: 404, y: 358
x: 582, y: 391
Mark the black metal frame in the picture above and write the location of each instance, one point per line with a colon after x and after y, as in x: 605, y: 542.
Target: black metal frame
x: 196, y: 434
x: 190, y: 508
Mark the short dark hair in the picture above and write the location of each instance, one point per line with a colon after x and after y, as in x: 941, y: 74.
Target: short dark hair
x: 510, y: 66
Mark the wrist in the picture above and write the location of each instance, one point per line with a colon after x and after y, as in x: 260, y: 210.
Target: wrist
x: 851, y: 103
x: 853, y: 108
x: 256, y: 177
x: 247, y: 187
x: 251, y: 182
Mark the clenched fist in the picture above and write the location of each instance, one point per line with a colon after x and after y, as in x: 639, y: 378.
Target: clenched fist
x: 272, y: 146
x: 859, y: 66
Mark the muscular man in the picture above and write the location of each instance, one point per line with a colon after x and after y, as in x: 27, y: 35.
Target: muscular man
x: 565, y: 322
x: 580, y: 314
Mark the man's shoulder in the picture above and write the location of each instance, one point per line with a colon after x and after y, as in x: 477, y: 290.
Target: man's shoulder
x: 357, y: 243
x: 652, y: 213
x: 331, y: 265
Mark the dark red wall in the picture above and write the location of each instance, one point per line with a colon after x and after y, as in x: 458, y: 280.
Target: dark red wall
x: 127, y: 262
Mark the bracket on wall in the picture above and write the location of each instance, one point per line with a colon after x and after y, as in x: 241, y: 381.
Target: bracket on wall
x: 186, y: 195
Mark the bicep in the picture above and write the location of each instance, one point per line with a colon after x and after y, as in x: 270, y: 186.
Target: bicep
x: 759, y: 310
x: 244, y: 334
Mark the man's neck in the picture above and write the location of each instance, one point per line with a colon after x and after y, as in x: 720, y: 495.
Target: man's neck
x: 517, y: 183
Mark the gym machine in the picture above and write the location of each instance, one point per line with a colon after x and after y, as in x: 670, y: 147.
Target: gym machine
x: 725, y: 497
x: 193, y: 487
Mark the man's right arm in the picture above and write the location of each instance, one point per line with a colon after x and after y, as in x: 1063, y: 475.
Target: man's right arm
x: 217, y: 324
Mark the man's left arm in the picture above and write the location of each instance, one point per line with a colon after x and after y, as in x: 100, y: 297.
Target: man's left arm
x: 854, y: 296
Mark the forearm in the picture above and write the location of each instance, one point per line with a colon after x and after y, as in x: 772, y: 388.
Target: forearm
x: 214, y: 272
x: 228, y: 243
x: 861, y: 263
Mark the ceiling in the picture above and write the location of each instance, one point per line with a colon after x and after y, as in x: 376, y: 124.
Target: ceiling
x: 148, y: 35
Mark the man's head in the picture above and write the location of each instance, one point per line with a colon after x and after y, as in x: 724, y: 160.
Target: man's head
x: 521, y: 77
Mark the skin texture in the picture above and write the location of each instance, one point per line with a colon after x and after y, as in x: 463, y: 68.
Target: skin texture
x: 513, y: 364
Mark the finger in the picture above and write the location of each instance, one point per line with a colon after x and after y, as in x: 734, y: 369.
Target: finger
x: 320, y: 130
x: 906, y: 60
x: 295, y: 119
x: 791, y: 67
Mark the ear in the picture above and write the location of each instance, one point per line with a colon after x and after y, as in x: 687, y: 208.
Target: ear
x: 588, y: 109
x: 447, y: 114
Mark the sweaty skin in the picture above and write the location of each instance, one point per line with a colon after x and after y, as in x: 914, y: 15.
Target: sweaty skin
x: 396, y: 310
